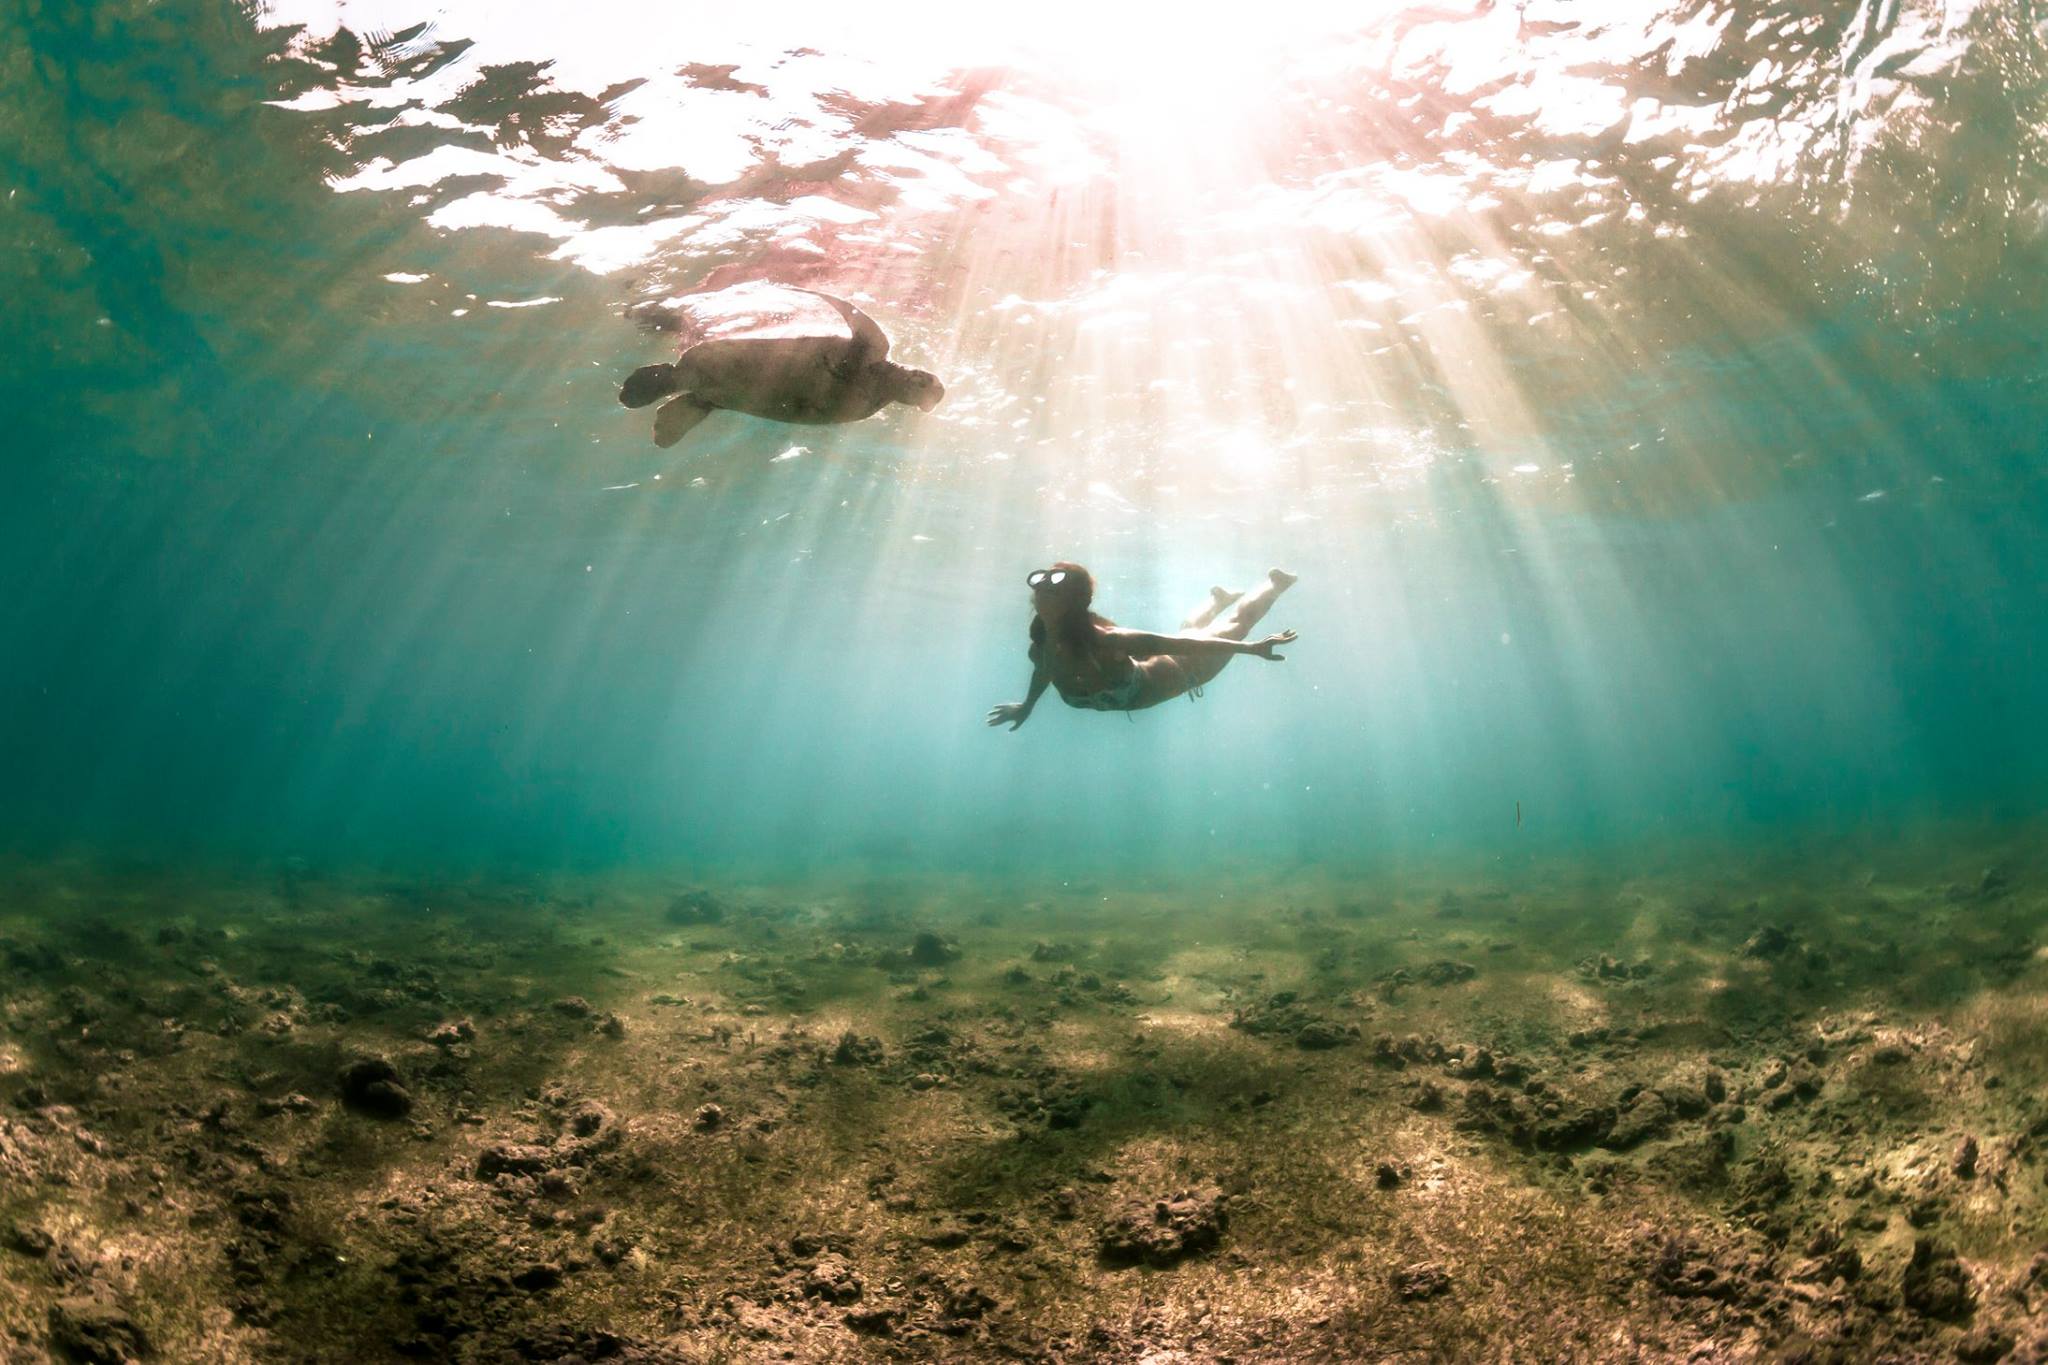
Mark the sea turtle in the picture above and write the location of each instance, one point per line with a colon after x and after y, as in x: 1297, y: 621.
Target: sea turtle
x: 761, y: 356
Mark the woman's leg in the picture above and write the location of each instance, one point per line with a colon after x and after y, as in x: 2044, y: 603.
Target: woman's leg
x: 1206, y: 614
x: 1182, y: 674
x: 1253, y: 606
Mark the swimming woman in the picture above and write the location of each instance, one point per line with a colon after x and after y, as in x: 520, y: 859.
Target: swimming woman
x: 1097, y: 665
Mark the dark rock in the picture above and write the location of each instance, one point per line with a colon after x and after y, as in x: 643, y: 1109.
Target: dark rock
x: 1647, y: 1117
x: 708, y: 1118
x: 1051, y: 952
x: 1162, y: 1232
x: 574, y: 1007
x: 1389, y: 1176
x: 1843, y: 1262
x: 874, y: 1319
x: 1320, y: 1034
x: 1571, y: 1128
x: 1698, y: 1162
x: 929, y: 950
x: 1769, y: 942
x: 1685, y: 1271
x: 1283, y: 1015
x: 96, y: 1332
x: 964, y: 1306
x: 451, y: 1033
x: 26, y: 1238
x: 589, y: 1120
x: 1608, y: 968
x: 370, y: 1085
x: 1934, y: 1284
x: 854, y: 1050
x: 1445, y: 972
x: 511, y: 1158
x: 1427, y: 1098
x: 1423, y: 1280
x: 1963, y: 1162
x: 1987, y: 1345
x: 542, y: 1275
x: 947, y: 1237
x: 1763, y: 1184
x: 696, y: 907
x: 611, y: 1026
x: 1470, y: 1063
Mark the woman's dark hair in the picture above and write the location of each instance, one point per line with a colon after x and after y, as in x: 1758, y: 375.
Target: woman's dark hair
x: 1080, y: 623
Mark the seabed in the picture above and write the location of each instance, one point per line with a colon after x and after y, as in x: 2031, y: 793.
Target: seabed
x: 1788, y: 1110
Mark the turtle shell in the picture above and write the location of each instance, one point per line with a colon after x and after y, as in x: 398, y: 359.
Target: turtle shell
x: 758, y: 311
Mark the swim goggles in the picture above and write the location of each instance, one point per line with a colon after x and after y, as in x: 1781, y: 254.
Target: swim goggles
x: 1043, y: 578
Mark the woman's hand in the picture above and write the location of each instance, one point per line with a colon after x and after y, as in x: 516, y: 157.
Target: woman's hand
x: 1264, y: 648
x: 1011, y: 713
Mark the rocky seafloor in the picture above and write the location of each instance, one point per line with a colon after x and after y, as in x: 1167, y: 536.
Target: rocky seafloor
x: 1735, y: 1112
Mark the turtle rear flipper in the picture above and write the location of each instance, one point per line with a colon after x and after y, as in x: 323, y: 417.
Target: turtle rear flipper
x: 673, y: 419
x: 648, y: 384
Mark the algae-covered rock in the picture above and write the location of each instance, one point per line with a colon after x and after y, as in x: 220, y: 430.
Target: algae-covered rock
x: 833, y: 1279
x: 1446, y: 972
x: 1645, y: 1117
x: 1162, y: 1232
x: 96, y: 1332
x: 1934, y: 1284
x: 453, y: 1033
x: 1423, y: 1280
x: 1321, y: 1034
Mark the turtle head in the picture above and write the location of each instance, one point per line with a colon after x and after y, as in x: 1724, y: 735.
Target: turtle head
x: 919, y: 388
x: 648, y: 384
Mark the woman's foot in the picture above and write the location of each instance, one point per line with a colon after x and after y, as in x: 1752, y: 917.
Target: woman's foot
x: 1220, y: 601
x: 1282, y: 579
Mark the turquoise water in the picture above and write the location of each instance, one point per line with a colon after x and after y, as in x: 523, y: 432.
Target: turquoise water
x: 1651, y: 400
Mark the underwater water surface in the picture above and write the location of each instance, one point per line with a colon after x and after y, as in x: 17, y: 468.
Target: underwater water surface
x: 1651, y: 398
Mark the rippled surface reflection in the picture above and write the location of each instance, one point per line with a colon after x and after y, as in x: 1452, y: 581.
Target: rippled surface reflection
x: 1341, y: 251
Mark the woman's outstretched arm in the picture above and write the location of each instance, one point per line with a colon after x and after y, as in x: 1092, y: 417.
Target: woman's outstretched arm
x: 1142, y: 642
x: 1015, y: 713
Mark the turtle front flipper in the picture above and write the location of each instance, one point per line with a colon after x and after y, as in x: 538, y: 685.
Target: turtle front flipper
x: 870, y: 342
x: 673, y: 419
